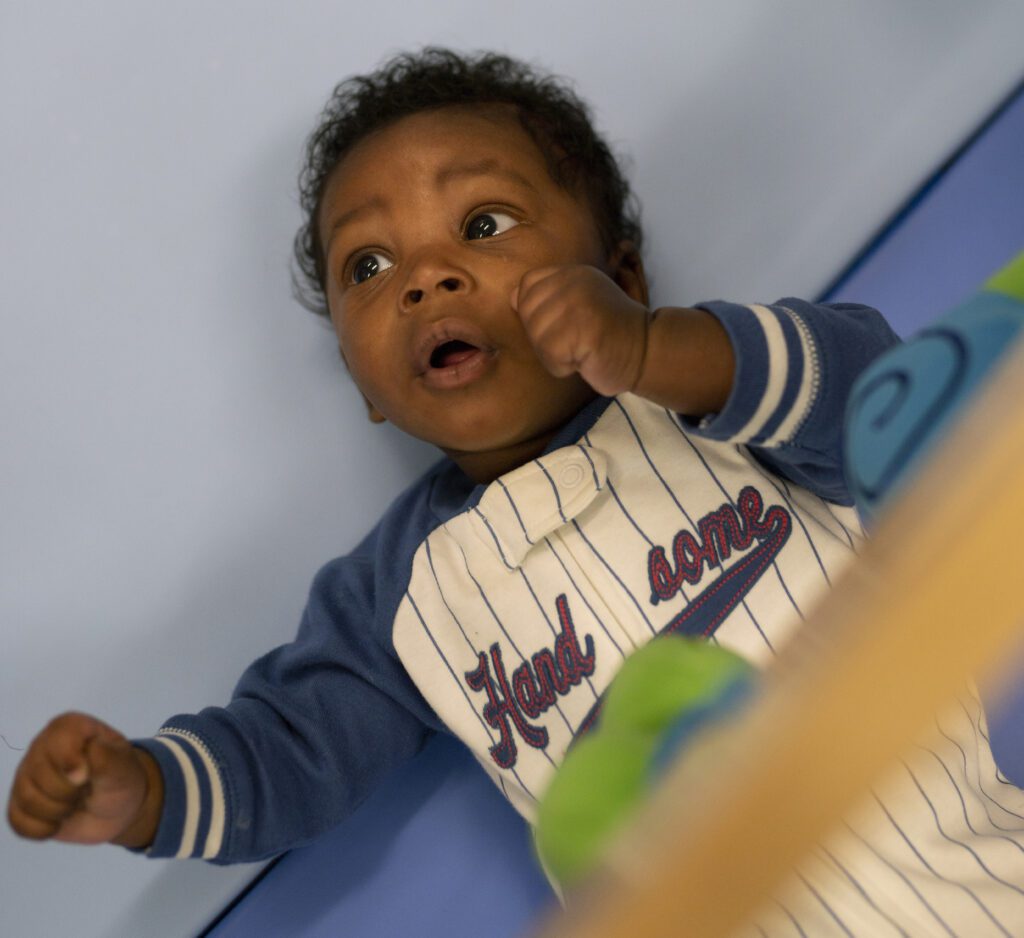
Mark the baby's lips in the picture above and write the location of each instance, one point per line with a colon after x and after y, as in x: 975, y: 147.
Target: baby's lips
x: 449, y: 329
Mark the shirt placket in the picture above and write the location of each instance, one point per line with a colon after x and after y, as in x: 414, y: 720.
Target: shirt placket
x: 535, y: 508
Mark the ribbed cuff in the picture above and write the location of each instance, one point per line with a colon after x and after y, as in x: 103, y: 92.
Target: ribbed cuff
x: 776, y: 376
x: 192, y: 822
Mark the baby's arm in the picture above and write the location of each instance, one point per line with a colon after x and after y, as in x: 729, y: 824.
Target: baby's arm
x: 774, y: 378
x: 311, y: 728
x: 580, y: 320
x: 82, y: 782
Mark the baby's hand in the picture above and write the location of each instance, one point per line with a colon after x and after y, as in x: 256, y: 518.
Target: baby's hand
x: 579, y: 320
x: 82, y: 782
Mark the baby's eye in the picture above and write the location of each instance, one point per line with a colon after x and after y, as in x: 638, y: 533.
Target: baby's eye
x: 369, y: 265
x: 489, y: 224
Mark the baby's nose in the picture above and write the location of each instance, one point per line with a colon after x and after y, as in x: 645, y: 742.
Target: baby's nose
x: 446, y: 284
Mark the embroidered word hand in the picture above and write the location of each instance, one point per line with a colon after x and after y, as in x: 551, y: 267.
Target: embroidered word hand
x: 82, y: 782
x: 579, y: 320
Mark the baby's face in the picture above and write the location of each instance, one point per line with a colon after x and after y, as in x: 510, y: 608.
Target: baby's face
x: 428, y: 226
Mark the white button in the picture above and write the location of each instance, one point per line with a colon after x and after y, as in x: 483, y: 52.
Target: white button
x: 571, y: 475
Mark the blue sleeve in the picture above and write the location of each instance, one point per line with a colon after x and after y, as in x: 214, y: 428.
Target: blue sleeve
x: 1005, y: 714
x: 310, y: 730
x: 795, y: 364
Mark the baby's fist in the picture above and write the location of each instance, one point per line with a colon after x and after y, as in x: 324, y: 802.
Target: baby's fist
x: 80, y: 781
x: 579, y: 320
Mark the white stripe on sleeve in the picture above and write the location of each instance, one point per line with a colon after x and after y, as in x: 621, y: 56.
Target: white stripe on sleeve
x: 188, y: 833
x: 808, y: 390
x: 778, y: 370
x: 215, y: 835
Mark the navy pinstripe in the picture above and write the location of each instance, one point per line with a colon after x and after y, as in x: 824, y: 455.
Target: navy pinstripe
x: 593, y: 468
x: 953, y: 840
x: 852, y: 880
x: 650, y: 462
x: 963, y: 807
x: 616, y: 577
x: 497, y: 543
x: 519, y: 518
x: 917, y: 853
x: 583, y: 597
x: 789, y: 915
x: 825, y: 905
x: 963, y: 755
x: 554, y: 489
x: 906, y: 881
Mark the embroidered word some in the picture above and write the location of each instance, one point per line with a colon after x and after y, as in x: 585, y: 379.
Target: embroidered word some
x: 719, y: 533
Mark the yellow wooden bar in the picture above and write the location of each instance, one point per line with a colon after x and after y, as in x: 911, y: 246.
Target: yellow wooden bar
x: 936, y: 596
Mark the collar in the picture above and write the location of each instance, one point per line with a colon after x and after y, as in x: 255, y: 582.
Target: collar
x: 522, y: 507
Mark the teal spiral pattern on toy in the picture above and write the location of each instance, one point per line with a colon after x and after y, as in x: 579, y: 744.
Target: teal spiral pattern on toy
x: 907, y: 399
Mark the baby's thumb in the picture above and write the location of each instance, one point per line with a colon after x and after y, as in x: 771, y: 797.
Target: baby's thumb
x: 79, y: 774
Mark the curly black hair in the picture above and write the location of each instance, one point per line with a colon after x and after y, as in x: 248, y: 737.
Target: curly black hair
x: 547, y: 108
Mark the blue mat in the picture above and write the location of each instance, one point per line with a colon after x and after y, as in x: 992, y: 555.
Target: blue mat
x: 435, y: 851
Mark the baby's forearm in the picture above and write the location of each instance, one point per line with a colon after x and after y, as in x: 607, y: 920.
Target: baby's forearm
x: 688, y: 364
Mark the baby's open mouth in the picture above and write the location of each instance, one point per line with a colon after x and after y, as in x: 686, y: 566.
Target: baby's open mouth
x: 451, y: 353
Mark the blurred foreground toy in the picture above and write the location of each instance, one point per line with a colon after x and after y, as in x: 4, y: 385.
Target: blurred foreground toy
x: 908, y: 397
x: 677, y: 689
x: 661, y: 697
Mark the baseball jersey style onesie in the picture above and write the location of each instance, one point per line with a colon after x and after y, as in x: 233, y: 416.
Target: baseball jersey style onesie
x: 500, y: 614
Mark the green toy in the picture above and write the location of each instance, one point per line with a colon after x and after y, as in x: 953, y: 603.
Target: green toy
x: 662, y: 695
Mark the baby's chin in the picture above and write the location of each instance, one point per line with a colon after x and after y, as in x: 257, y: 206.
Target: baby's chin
x: 488, y: 453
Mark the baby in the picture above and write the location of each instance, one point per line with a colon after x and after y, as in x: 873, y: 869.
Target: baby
x: 611, y: 473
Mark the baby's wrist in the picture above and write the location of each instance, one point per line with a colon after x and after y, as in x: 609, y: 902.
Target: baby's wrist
x: 141, y: 830
x: 648, y: 322
x: 689, y: 362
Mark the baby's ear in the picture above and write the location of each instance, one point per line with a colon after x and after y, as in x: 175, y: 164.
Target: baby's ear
x: 375, y: 415
x: 627, y: 269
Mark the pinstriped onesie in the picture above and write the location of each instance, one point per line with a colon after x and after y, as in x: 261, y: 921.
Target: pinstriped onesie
x: 500, y: 613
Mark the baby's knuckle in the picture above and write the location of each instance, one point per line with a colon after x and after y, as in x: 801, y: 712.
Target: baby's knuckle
x: 65, y: 721
x: 24, y: 825
x: 73, y: 725
x: 31, y: 804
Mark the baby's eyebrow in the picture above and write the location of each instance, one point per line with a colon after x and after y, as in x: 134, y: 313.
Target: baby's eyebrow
x: 488, y: 166
x: 446, y: 175
x: 370, y: 205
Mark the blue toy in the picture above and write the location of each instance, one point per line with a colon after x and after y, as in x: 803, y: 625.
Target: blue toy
x: 906, y: 400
